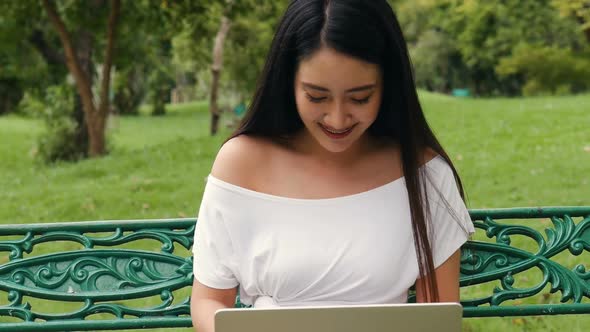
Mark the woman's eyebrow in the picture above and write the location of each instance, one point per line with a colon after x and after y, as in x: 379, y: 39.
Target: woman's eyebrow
x: 321, y: 88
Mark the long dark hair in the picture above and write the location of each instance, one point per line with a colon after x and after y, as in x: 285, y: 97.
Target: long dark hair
x: 367, y: 30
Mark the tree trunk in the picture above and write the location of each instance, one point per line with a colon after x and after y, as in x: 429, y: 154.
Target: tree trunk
x: 96, y: 131
x: 216, y: 72
x: 84, y: 52
x: 95, y: 116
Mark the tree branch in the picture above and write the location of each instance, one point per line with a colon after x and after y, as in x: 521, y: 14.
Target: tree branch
x: 108, y: 62
x: 72, y: 62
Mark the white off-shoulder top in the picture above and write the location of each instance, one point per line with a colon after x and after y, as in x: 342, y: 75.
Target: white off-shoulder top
x: 355, y: 249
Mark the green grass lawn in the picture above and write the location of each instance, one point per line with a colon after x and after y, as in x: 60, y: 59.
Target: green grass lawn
x: 509, y: 153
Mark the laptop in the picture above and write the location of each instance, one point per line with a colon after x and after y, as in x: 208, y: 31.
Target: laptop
x: 418, y: 317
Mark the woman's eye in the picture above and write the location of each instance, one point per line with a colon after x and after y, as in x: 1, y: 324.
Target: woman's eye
x: 361, y: 101
x: 315, y: 99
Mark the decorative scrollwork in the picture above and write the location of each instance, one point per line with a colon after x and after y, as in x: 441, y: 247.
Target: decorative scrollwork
x: 483, y: 262
x: 72, y: 276
x: 96, y: 277
x: 167, y: 236
x: 16, y: 248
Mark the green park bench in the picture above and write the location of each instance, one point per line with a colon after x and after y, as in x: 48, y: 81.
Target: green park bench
x: 86, y: 271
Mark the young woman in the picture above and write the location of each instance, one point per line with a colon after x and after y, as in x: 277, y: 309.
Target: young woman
x: 333, y: 190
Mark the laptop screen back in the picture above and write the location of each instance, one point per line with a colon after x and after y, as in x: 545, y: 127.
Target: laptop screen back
x: 440, y: 317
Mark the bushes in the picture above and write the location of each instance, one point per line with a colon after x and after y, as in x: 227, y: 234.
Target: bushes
x: 547, y: 69
x: 58, y: 141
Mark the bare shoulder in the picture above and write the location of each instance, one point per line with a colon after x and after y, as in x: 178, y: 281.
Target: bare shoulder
x: 429, y: 154
x: 440, y: 167
x: 238, y: 160
x: 391, y: 153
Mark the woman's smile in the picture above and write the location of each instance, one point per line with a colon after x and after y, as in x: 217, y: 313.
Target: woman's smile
x: 338, y: 134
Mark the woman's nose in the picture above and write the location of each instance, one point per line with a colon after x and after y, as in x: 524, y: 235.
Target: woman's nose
x: 337, y: 117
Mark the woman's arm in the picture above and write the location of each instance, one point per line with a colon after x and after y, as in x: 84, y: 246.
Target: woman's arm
x: 447, y: 281
x: 205, y: 301
x: 232, y: 164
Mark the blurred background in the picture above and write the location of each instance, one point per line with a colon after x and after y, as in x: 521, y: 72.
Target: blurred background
x: 63, y: 61
x: 116, y: 109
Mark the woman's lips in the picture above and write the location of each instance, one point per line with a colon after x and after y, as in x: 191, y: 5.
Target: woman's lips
x: 337, y: 135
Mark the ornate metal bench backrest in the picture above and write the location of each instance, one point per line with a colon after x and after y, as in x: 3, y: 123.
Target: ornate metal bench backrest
x: 109, y: 275
x: 511, y: 280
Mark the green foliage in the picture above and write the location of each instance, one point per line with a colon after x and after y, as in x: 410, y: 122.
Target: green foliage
x: 21, y: 66
x: 460, y: 43
x: 548, y: 69
x: 416, y: 17
x: 144, y: 54
x: 248, y: 42
x: 160, y: 84
x: 58, y: 141
x: 130, y: 90
x: 161, y: 80
x: 31, y: 106
x: 430, y: 56
x: 579, y: 9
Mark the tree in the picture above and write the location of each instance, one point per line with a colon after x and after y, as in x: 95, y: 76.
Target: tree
x: 147, y: 29
x: 96, y: 114
x: 231, y: 40
x: 36, y: 56
x: 216, y: 71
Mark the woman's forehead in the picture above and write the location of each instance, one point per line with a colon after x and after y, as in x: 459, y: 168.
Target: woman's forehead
x: 336, y: 71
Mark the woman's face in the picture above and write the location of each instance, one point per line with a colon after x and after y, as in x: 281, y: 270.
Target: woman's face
x: 338, y: 98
